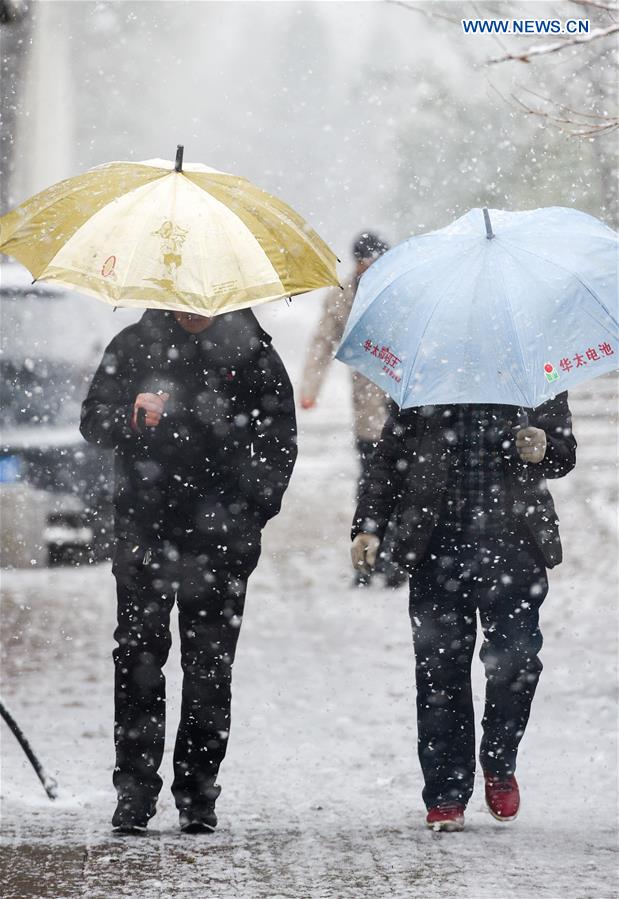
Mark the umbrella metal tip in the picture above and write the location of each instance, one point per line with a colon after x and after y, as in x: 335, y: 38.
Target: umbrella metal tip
x: 178, y: 165
x: 51, y: 787
x: 489, y: 231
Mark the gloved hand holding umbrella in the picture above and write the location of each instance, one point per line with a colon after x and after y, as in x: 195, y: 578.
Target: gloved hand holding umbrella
x: 531, y: 444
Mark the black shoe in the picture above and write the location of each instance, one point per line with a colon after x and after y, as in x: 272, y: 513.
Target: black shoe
x: 132, y: 815
x: 395, y: 579
x: 198, y: 818
x: 362, y: 579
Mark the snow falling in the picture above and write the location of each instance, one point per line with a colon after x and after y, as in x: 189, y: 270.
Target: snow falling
x: 380, y: 116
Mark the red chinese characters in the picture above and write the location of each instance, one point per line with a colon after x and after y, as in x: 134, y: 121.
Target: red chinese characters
x: 384, y: 354
x: 591, y: 354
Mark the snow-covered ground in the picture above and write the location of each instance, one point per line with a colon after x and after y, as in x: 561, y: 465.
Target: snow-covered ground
x: 321, y: 786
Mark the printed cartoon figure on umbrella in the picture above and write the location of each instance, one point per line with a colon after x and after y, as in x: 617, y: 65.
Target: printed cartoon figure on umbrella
x: 172, y: 240
x: 477, y: 336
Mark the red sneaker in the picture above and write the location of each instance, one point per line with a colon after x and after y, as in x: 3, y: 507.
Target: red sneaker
x: 502, y: 797
x: 449, y: 817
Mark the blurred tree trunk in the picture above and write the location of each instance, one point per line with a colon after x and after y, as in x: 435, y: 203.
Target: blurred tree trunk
x: 605, y: 149
x: 15, y: 34
x: 608, y: 183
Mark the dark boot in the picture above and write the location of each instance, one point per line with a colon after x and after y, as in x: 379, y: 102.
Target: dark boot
x: 133, y: 814
x: 362, y: 579
x: 200, y: 817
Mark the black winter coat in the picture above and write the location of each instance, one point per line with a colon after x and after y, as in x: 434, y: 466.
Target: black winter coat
x: 215, y: 469
x: 410, y: 470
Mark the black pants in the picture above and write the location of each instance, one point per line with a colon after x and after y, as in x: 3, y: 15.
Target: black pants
x: 505, y: 581
x: 210, y: 602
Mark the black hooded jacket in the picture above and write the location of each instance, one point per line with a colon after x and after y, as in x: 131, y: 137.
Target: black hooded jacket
x: 216, y: 467
x: 410, y: 470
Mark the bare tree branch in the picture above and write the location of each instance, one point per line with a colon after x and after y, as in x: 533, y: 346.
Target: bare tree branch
x: 595, y: 116
x: 545, y: 49
x: 608, y: 7
x: 496, y: 37
x: 424, y: 11
x: 569, y: 123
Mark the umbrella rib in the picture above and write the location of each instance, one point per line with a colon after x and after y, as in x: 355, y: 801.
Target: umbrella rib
x: 147, y: 224
x: 234, y: 254
x: 46, y: 206
x: 389, y: 286
x: 64, y: 196
x: 118, y: 291
x: 512, y: 320
x: 368, y: 308
x: 427, y: 325
x: 279, y: 209
x: 571, y: 274
x: 272, y: 208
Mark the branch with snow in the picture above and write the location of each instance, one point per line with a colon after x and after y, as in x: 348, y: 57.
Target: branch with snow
x: 570, y: 121
x: 431, y: 14
x: 545, y: 49
x: 607, y: 7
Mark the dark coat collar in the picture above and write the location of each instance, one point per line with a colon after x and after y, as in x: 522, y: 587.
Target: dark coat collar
x: 233, y: 338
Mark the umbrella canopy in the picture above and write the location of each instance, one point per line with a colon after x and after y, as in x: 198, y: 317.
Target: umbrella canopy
x: 162, y: 235
x: 499, y: 307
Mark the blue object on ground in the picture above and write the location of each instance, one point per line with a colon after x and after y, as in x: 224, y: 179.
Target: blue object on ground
x: 10, y: 469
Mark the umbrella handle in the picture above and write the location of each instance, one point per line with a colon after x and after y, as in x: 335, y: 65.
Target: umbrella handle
x: 523, y: 419
x: 140, y: 418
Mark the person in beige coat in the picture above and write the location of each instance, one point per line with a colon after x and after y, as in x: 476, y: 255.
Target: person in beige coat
x: 369, y: 401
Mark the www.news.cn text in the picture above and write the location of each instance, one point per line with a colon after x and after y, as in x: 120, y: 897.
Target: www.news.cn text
x: 525, y: 26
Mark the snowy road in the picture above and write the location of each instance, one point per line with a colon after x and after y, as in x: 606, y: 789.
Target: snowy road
x: 321, y: 786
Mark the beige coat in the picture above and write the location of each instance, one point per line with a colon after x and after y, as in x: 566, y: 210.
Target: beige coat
x: 369, y: 401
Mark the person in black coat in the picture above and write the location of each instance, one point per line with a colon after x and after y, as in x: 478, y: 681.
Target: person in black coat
x: 200, y: 414
x: 477, y: 530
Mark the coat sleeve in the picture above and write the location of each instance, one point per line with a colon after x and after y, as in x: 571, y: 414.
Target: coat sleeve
x: 382, y: 487
x: 554, y: 417
x: 325, y: 341
x: 274, y: 437
x: 108, y: 407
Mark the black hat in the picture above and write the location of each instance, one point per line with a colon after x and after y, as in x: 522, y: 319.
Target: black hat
x: 368, y: 246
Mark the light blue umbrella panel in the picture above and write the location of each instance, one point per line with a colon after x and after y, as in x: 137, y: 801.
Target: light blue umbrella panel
x: 499, y: 307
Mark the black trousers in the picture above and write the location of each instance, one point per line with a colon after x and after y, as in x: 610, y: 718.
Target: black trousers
x: 504, y: 580
x: 210, y: 598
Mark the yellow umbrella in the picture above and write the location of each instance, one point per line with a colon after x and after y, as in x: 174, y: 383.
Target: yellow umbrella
x: 162, y: 235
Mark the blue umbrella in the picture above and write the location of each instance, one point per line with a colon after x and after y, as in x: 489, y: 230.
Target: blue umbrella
x: 499, y: 307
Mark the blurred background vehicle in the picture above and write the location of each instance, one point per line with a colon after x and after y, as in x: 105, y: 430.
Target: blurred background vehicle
x: 51, y: 341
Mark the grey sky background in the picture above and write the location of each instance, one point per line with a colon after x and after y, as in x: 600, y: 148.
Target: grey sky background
x: 359, y: 114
